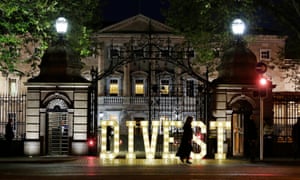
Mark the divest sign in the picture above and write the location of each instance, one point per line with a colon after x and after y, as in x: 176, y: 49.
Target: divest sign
x: 150, y: 146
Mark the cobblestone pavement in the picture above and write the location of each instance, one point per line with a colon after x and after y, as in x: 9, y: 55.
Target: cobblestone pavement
x: 142, y: 169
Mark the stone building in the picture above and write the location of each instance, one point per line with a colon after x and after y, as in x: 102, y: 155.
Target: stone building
x: 144, y: 76
x: 57, y: 105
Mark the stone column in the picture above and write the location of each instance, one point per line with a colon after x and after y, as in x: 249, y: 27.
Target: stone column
x: 126, y: 81
x: 101, y: 68
x: 43, y: 130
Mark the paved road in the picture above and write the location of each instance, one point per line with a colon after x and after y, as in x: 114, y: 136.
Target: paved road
x: 120, y: 169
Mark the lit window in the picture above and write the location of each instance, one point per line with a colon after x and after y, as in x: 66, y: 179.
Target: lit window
x: 139, y: 87
x: 164, y: 87
x: 113, y: 117
x: 13, y: 87
x: 265, y: 54
x: 114, y: 87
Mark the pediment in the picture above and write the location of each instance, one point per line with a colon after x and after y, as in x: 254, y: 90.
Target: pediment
x: 138, y: 24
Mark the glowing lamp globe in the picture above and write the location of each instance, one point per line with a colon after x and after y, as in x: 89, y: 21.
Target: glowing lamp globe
x: 238, y: 27
x: 61, y: 25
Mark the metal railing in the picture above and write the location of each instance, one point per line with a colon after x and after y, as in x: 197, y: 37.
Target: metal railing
x: 13, y: 107
x: 286, y: 110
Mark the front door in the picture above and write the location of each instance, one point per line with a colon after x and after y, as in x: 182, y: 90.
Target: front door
x: 58, y: 140
x: 238, y: 134
x: 241, y: 113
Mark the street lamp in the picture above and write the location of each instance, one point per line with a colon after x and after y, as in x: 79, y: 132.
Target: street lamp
x: 238, y: 27
x: 61, y: 25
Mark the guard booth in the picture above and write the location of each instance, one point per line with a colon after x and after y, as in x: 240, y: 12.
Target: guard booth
x: 58, y: 132
x: 57, y: 105
x: 234, y: 98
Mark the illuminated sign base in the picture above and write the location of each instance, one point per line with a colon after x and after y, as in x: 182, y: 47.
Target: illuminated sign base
x: 221, y: 126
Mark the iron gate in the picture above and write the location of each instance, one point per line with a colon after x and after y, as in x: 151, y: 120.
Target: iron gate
x: 58, y: 140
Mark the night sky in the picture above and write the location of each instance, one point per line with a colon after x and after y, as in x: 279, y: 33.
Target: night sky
x: 114, y: 11
x: 117, y: 10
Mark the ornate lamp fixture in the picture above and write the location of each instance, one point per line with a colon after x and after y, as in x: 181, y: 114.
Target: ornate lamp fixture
x: 61, y: 25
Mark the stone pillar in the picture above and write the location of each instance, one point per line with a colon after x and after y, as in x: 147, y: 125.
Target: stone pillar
x: 70, y: 122
x: 101, y: 67
x: 126, y: 81
x: 179, y: 86
x: 32, y: 144
x: 43, y: 130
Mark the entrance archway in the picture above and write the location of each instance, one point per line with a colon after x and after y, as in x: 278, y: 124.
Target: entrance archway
x: 57, y: 128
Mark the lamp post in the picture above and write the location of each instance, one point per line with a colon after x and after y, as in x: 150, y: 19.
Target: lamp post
x: 261, y: 68
x: 93, y: 116
x: 262, y: 92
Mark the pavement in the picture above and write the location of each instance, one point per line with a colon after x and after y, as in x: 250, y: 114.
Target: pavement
x: 123, y: 161
x: 37, y: 159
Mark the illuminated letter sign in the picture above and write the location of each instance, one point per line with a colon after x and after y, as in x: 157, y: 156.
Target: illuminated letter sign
x: 130, y: 154
x: 199, y: 141
x: 220, y: 126
x: 167, y: 139
x: 150, y: 147
x: 178, y: 124
x: 114, y: 124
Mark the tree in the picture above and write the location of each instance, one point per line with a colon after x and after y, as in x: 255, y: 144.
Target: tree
x: 286, y: 14
x: 27, y: 28
x: 206, y: 23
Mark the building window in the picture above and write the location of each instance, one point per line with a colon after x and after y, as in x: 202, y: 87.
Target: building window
x: 139, y: 87
x: 114, y: 52
x: 113, y: 87
x: 164, y: 87
x: 265, y: 54
x: 113, y: 117
x: 13, y: 91
x: 190, y: 88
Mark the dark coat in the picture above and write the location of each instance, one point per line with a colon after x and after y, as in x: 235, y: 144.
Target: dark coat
x: 296, y: 133
x: 252, y: 132
x: 185, y: 147
x: 9, y: 133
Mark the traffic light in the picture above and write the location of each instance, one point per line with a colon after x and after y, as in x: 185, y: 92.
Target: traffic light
x: 91, y: 142
x: 263, y: 82
x: 92, y: 145
x: 262, y: 88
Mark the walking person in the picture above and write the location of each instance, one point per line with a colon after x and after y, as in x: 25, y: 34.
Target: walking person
x: 185, y: 147
x: 252, y: 137
x: 9, y: 135
x: 296, y: 138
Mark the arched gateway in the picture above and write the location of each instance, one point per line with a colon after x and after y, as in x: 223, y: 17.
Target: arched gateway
x: 57, y: 128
